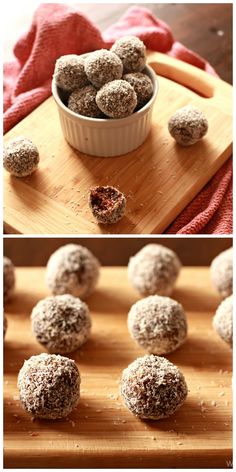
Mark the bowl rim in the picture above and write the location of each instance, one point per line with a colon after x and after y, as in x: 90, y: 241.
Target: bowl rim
x: 121, y: 121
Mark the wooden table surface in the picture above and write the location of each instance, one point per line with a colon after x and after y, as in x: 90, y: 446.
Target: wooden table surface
x: 205, y: 28
x: 101, y: 432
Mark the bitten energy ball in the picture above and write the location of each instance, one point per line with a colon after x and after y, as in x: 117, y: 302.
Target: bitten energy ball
x: 62, y: 323
x: 188, y: 125
x: 222, y: 272
x: 154, y: 270
x: 72, y: 269
x: 8, y: 278
x: 49, y: 386
x: 142, y: 85
x: 153, y: 388
x: 158, y: 324
x: 83, y: 102
x: 20, y: 157
x: 102, y: 66
x: 117, y: 99
x: 107, y: 204
x: 69, y: 73
x: 132, y: 52
x: 223, y: 320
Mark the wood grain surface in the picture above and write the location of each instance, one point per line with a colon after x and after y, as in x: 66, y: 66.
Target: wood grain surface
x: 159, y: 178
x: 101, y: 432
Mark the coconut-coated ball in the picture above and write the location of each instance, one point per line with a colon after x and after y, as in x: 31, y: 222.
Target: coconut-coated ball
x: 20, y: 157
x: 102, y: 66
x: 154, y: 270
x: 49, y: 386
x: 8, y: 278
x: 158, y: 324
x: 83, y: 102
x: 117, y: 99
x: 222, y: 272
x: 153, y: 388
x: 223, y: 320
x: 72, y: 269
x: 132, y: 52
x: 188, y: 125
x: 142, y: 86
x: 69, y: 73
x: 61, y: 324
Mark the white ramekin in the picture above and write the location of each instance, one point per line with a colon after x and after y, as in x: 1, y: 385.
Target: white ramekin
x: 106, y: 137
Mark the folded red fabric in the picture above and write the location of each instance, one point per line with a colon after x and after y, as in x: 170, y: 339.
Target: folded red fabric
x: 27, y: 83
x: 56, y: 29
x: 207, y: 212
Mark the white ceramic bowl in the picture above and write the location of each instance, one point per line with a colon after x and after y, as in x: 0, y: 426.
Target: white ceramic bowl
x: 106, y: 137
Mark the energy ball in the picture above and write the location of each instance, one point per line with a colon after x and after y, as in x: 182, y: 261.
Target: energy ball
x: 154, y: 270
x: 102, y: 66
x: 188, y: 125
x: 20, y: 157
x: 5, y: 324
x: 142, y: 86
x: 72, y: 269
x: 132, y: 52
x: 8, y: 278
x: 153, y: 388
x: 61, y: 323
x: 69, y: 73
x: 222, y: 272
x: 83, y: 102
x: 117, y: 99
x: 223, y: 320
x: 158, y: 324
x: 49, y: 386
x: 107, y: 204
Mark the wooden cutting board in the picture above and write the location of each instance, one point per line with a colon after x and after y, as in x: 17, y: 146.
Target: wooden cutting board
x: 101, y: 432
x: 159, y: 178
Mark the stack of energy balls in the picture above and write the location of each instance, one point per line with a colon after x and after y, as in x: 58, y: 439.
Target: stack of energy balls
x: 106, y: 84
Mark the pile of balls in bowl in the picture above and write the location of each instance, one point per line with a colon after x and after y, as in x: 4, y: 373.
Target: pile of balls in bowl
x: 106, y: 83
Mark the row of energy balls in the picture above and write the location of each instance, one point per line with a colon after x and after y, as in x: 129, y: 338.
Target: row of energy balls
x: 151, y: 386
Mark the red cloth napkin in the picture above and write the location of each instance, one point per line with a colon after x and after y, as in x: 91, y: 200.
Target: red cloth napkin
x: 59, y: 29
